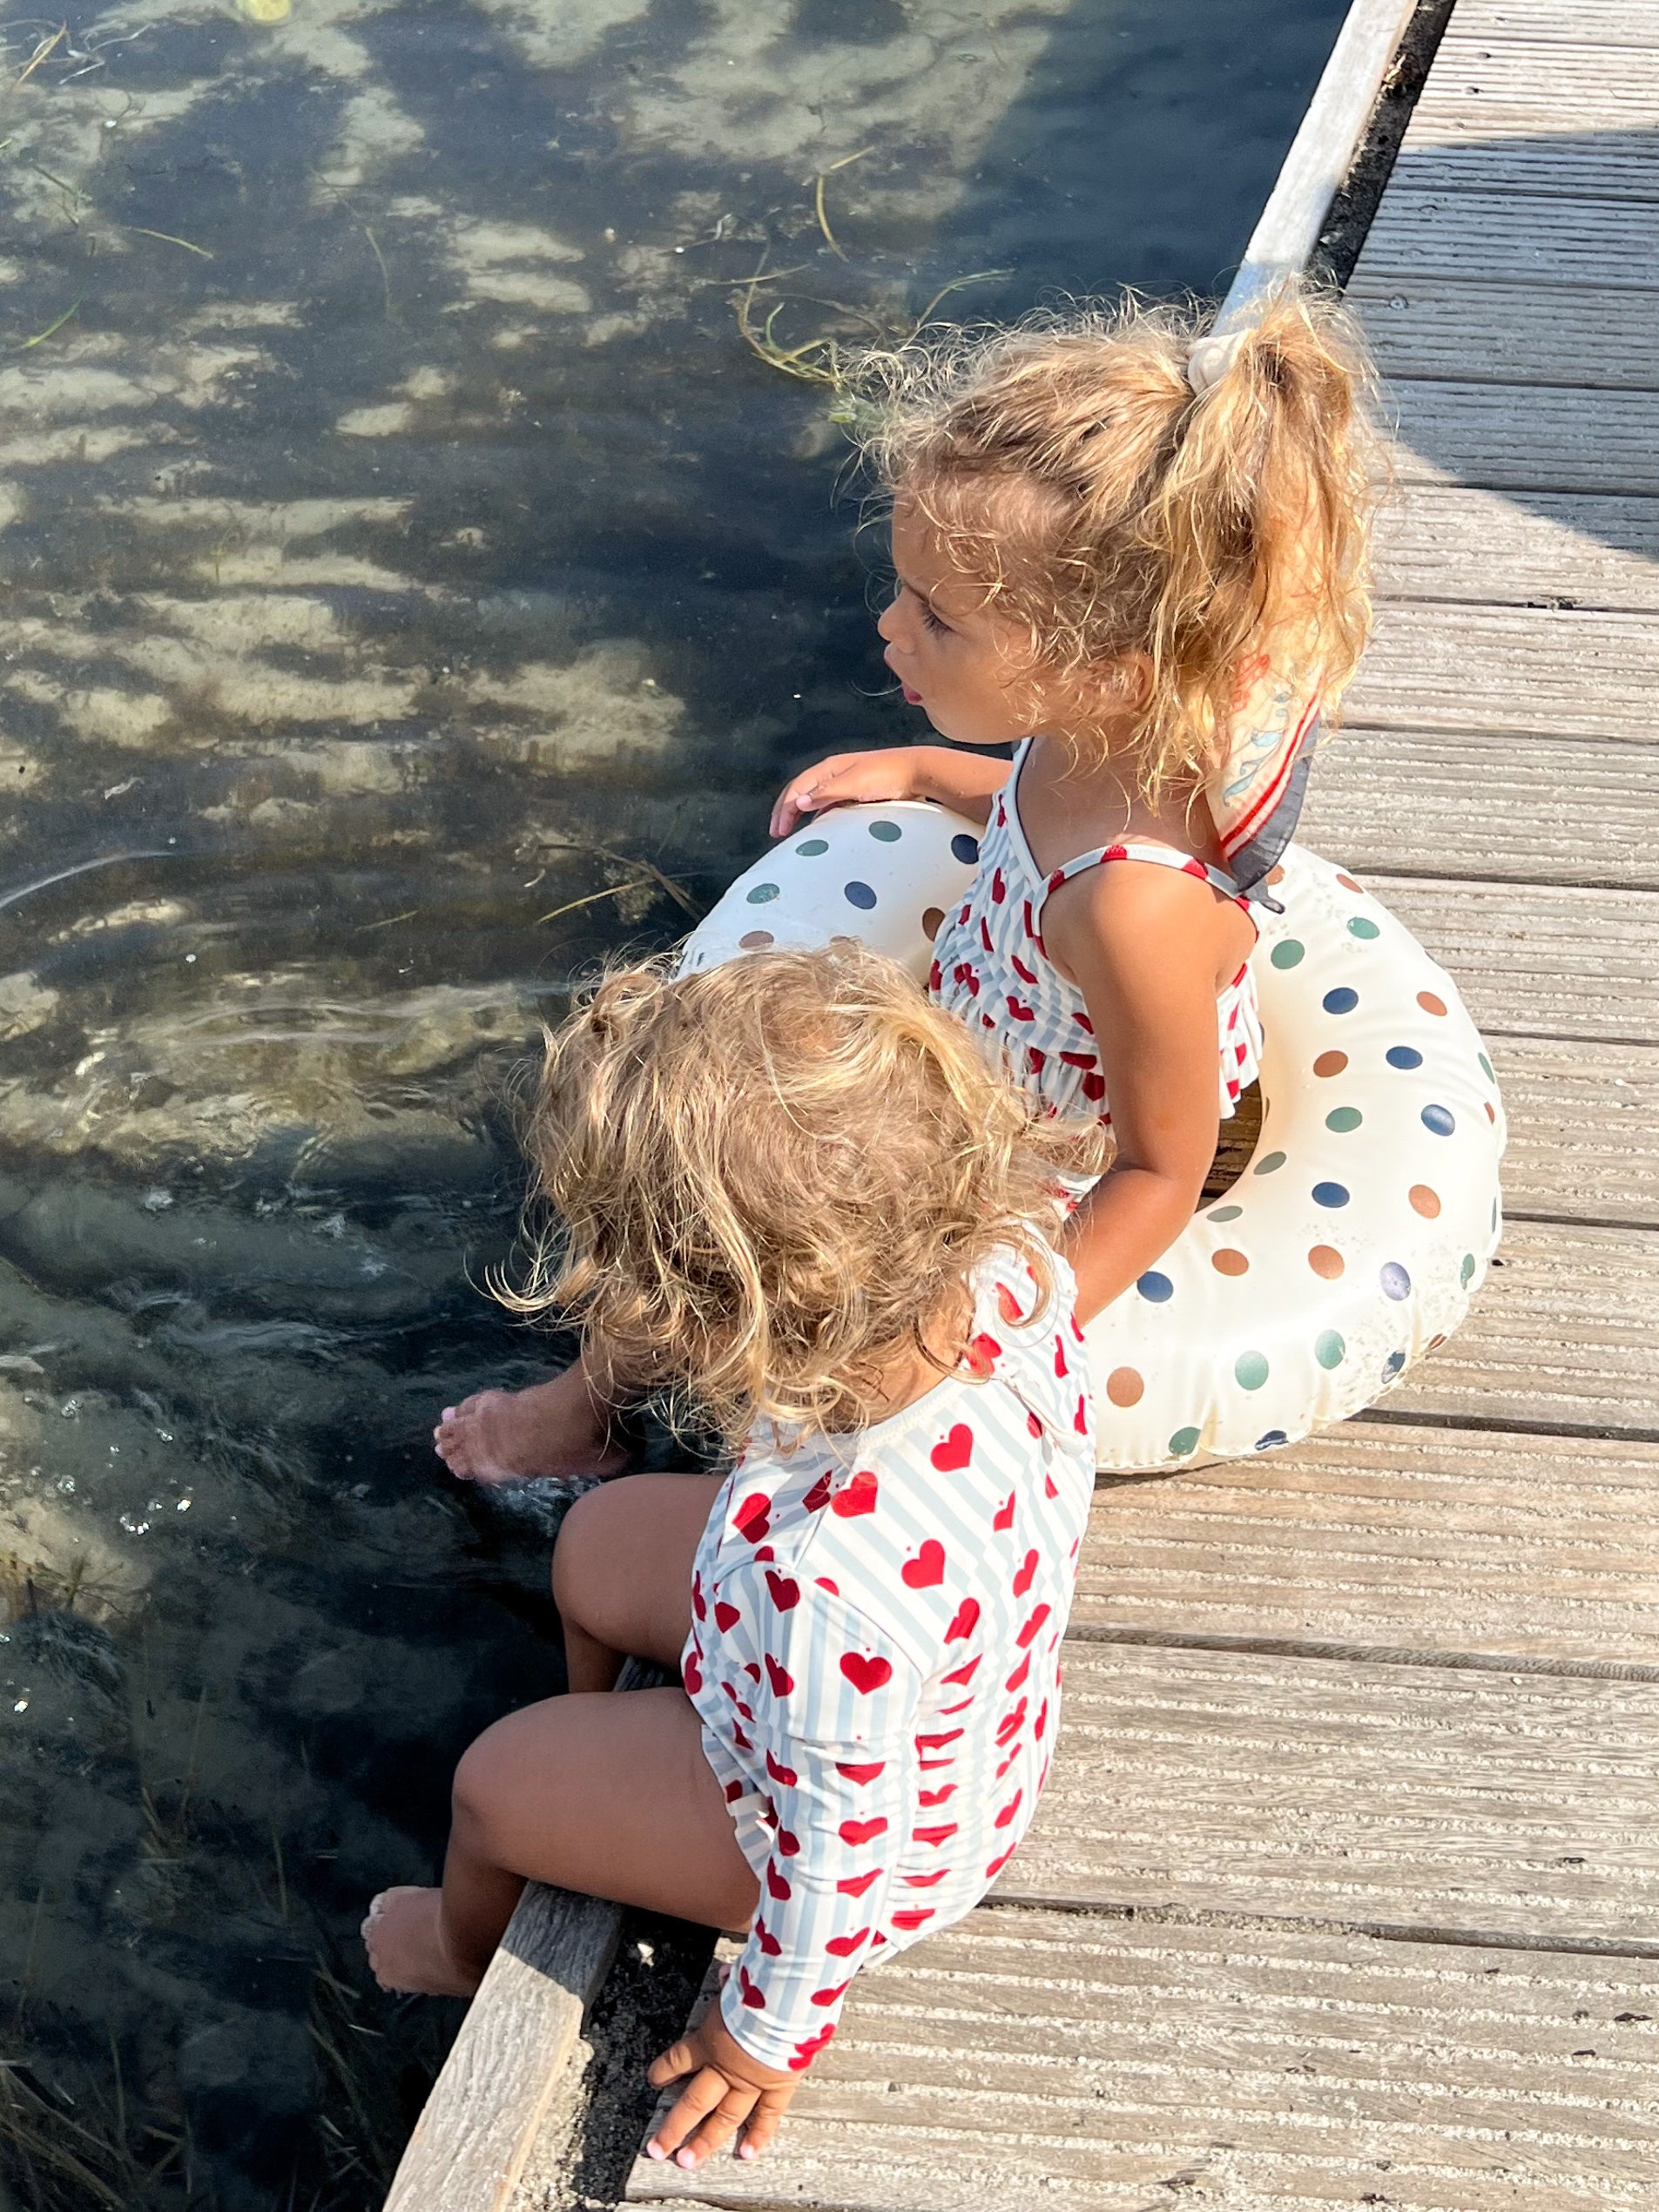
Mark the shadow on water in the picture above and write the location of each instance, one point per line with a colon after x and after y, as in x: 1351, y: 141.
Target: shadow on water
x: 400, y: 548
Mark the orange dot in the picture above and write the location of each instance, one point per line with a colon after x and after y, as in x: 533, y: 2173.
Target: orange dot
x: 1329, y: 1063
x: 1491, y: 1117
x: 1348, y: 884
x: 1429, y: 1003
x: 1228, y: 1262
x: 1325, y: 1260
x: 931, y: 920
x: 1425, y: 1201
x: 754, y: 940
x: 1275, y: 876
x: 1125, y: 1387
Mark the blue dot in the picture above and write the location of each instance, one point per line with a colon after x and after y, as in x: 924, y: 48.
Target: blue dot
x: 1403, y: 1055
x: 1330, y: 1194
x: 1272, y: 1442
x: 1395, y: 1281
x: 1156, y: 1288
x: 762, y: 892
x: 1438, y: 1119
x: 885, y: 832
x: 858, y: 894
x: 1341, y: 1001
x: 966, y: 850
x: 1392, y: 1365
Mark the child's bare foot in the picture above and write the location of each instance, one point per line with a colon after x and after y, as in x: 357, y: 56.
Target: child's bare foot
x: 404, y: 1939
x: 554, y: 1428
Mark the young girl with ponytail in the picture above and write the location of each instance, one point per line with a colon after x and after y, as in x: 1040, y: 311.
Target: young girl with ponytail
x: 1136, y: 553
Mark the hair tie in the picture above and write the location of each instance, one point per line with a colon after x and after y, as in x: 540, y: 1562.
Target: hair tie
x: 1211, y: 358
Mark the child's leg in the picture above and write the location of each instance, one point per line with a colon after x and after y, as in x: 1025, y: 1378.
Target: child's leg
x: 610, y: 1795
x: 559, y: 1427
x: 622, y: 1572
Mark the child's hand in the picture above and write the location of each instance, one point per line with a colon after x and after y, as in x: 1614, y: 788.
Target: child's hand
x: 728, y: 2090
x: 847, y: 780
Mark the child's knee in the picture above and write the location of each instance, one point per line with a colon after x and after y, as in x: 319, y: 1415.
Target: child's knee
x: 578, y: 1551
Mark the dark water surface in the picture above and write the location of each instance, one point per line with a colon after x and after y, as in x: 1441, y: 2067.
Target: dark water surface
x: 400, y: 546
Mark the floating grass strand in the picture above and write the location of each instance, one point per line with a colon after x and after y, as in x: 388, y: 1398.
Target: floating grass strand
x: 824, y: 177
x: 41, y: 53
x: 167, y: 239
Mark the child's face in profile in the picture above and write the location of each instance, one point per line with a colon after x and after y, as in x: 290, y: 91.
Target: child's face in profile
x: 966, y: 666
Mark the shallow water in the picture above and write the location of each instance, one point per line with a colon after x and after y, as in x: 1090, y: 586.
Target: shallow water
x: 403, y: 549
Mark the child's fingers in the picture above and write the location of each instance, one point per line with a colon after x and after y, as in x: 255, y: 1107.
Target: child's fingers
x: 719, y: 2132
x: 700, y: 2096
x: 763, y: 2121
x: 679, y: 2058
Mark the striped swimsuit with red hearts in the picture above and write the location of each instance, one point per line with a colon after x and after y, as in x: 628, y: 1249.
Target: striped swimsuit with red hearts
x: 874, y: 1657
x: 991, y: 971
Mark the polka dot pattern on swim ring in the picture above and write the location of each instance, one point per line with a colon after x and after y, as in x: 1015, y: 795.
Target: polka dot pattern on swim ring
x: 812, y: 849
x: 1431, y: 1003
x: 1331, y: 1194
x: 1329, y: 1349
x: 1343, y: 1119
x: 1361, y: 926
x: 1125, y: 1387
x: 1343, y: 999
x: 1329, y: 1063
x: 1270, y: 1163
x: 966, y: 849
x: 885, y: 832
x: 933, y: 920
x: 858, y: 894
x: 1251, y: 1368
x: 1288, y: 952
x: 1425, y: 1201
x: 1156, y: 1289
x: 756, y: 940
x: 763, y: 894
x: 1183, y: 1440
x: 1404, y: 1056
x: 1396, y: 1283
x: 1439, y: 1119
x: 1228, y: 1262
x: 1326, y: 1262
x: 1226, y: 1213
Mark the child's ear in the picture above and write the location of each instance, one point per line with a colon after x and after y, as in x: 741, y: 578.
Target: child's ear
x: 1131, y: 680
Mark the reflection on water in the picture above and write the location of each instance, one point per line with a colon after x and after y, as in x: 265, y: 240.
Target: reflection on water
x: 413, y: 585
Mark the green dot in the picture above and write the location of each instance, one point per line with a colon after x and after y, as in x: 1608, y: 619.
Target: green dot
x: 1329, y: 1351
x: 1183, y: 1440
x: 1465, y: 1274
x: 1251, y: 1367
x: 885, y: 832
x: 1270, y: 1164
x: 1487, y: 1066
x: 763, y: 893
x: 1360, y: 925
x: 1288, y: 952
x: 1343, y: 1118
x: 1225, y: 1213
x: 813, y: 847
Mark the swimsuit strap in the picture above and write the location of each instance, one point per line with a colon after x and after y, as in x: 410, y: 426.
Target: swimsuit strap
x: 1163, y: 856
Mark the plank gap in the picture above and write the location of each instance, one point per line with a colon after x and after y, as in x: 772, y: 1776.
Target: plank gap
x: 1497, y: 1663
x: 1496, y: 1425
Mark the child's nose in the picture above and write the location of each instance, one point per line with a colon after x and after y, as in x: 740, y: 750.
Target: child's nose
x: 887, y: 623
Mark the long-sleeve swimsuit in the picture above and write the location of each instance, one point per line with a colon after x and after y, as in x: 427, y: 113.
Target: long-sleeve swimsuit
x: 873, y: 1655
x: 992, y: 972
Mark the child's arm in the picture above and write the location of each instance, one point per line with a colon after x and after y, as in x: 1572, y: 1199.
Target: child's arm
x: 965, y: 782
x: 1141, y: 944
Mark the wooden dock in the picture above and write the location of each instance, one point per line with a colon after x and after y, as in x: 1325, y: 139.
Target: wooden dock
x: 1347, y: 1888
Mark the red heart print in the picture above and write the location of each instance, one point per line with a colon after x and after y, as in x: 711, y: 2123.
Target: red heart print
x: 935, y: 1796
x: 1020, y: 1010
x: 777, y: 1771
x: 999, y: 887
x: 954, y: 1451
x: 910, y: 1916
x: 808, y: 2049
x: 865, y: 1673
x: 1031, y: 1627
x: 1010, y: 1724
x: 768, y: 1942
x: 1026, y: 974
x: 824, y: 1583
x: 1010, y: 1809
x: 1041, y: 1722
x: 961, y: 1708
x: 1083, y: 1023
x: 1008, y: 1306
x: 1016, y: 1680
x: 786, y: 1590
x: 984, y: 935
x: 749, y: 1992
x: 788, y: 1843
x: 753, y: 1673
x: 937, y: 1743
x: 965, y: 1673
x: 691, y: 1673
x: 1080, y: 1418
x: 1003, y: 1517
x: 936, y: 980
x: 1026, y: 1573
x: 829, y: 1996
x: 697, y: 1605
x: 927, y: 1569
x: 1035, y: 1060
x: 855, y: 1885
x: 964, y: 1622
x: 776, y: 1885
x: 819, y: 1496
x: 1048, y: 1487
x: 861, y: 1773
x: 999, y: 1863
x: 924, y: 1881
x: 1094, y: 1089
x: 733, y: 1791
x: 1060, y: 1367
x: 782, y: 1681
x: 935, y: 1836
x: 1008, y: 1763
x: 844, y: 1947
x: 750, y: 1518
x: 1079, y: 1059
x: 931, y: 1766
x: 741, y: 1739
x: 725, y: 1616
x: 856, y: 1497
x: 1030, y: 925
x: 982, y: 1355
x: 862, y: 1832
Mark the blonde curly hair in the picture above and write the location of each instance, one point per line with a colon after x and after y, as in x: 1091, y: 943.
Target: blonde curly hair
x: 1067, y: 466
x: 772, y: 1178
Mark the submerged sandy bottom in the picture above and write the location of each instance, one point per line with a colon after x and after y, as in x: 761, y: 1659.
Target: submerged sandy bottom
x: 401, y: 548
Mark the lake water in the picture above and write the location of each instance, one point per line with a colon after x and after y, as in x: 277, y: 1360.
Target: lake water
x: 413, y: 585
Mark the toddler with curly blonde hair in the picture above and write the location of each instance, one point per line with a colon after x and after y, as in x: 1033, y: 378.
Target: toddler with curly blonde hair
x: 792, y: 1194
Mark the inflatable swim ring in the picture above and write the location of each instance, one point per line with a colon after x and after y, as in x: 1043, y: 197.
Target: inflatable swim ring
x: 1363, y: 1224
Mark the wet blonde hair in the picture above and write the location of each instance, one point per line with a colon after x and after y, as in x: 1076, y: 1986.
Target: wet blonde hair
x: 1067, y: 466
x: 770, y: 1178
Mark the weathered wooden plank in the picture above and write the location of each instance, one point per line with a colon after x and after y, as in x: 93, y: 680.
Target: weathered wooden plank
x: 1448, y: 542
x: 1516, y: 237
x: 1423, y: 326
x: 1564, y: 86
x: 1418, y: 1798
x: 1583, y: 1129
x: 1542, y: 439
x: 1025, y: 2061
x: 1540, y: 963
x: 1401, y: 799
x: 1562, y: 1334
x: 1587, y: 22
x: 1548, y: 671
x: 1396, y: 1537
